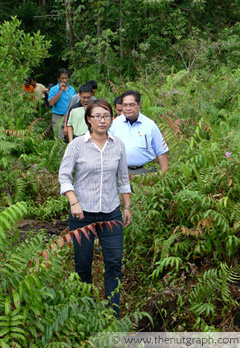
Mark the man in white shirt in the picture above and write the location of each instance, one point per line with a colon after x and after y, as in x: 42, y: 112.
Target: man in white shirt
x: 40, y: 91
x: 141, y: 136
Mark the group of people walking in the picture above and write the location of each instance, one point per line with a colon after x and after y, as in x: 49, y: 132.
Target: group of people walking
x: 37, y: 91
x: 101, y: 153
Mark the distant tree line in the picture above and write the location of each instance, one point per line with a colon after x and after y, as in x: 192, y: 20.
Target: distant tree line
x: 127, y: 38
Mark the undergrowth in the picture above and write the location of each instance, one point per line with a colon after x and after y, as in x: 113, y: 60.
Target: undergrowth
x: 185, y: 234
x: 42, y: 307
x: 182, y: 248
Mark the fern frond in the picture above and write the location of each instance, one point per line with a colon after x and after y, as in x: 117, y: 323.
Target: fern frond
x: 166, y: 245
x: 33, y: 123
x: 183, y: 246
x: 68, y: 237
x: 7, y: 147
x: 54, y: 153
x: 200, y: 308
x: 232, y: 243
x: 218, y: 219
x: 20, y: 185
x: 21, y: 133
x: 172, y: 261
x: 212, y: 282
x: 46, y: 132
x: 115, y: 88
x: 203, y: 224
x: 10, y: 216
x: 174, y: 127
x: 150, y: 179
x: 231, y: 273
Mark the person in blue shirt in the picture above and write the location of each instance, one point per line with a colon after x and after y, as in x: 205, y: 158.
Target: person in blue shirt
x: 59, y: 98
x: 141, y: 136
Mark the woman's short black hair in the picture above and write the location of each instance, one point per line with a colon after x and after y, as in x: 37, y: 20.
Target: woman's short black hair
x: 102, y: 103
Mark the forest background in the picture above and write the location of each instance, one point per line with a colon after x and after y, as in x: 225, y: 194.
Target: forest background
x: 181, y: 260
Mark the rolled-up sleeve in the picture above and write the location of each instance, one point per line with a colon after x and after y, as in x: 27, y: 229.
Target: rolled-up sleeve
x: 66, y: 169
x: 122, y: 174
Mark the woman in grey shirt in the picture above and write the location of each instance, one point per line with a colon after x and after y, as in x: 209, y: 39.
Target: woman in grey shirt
x: 101, y: 173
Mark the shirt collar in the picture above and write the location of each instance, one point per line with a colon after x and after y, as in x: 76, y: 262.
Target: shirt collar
x: 140, y: 118
x: 87, y: 137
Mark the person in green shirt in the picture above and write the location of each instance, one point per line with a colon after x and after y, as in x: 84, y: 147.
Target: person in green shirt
x: 76, y: 124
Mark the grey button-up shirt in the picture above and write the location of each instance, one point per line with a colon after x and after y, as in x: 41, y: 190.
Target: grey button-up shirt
x: 100, y: 174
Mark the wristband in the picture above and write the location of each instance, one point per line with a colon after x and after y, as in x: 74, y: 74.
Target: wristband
x: 74, y: 203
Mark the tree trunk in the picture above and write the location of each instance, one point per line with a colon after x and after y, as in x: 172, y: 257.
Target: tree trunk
x: 99, y: 34
x: 69, y: 35
x: 41, y: 4
x: 120, y: 29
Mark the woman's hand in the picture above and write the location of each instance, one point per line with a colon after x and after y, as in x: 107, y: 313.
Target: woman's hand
x: 76, y: 211
x: 126, y: 217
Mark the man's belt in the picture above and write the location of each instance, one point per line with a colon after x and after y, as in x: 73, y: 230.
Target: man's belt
x: 134, y: 167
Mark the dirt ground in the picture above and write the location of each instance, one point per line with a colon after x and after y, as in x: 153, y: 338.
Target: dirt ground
x: 54, y: 228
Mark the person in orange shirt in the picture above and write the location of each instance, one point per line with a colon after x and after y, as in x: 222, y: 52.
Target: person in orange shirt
x: 28, y: 88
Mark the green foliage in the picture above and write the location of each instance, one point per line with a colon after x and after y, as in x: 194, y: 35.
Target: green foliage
x: 51, y: 209
x: 142, y: 37
x: 131, y: 38
x: 183, y: 243
x: 38, y: 305
x: 185, y: 229
x: 19, y: 53
x: 9, y: 217
x: 32, y: 161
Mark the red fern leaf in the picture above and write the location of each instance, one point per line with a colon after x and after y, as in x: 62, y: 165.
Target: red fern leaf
x: 109, y: 224
x: 37, y: 266
x: 92, y: 228
x: 60, y: 243
x: 53, y: 248
x: 86, y: 233
x: 117, y: 222
x: 77, y: 234
x: 66, y: 230
x: 100, y: 224
x: 46, y: 255
x: 29, y: 264
x: 31, y: 126
x: 68, y: 239
x: 48, y: 265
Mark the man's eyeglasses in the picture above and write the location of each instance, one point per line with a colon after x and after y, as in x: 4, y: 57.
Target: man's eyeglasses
x: 131, y: 105
x: 98, y: 117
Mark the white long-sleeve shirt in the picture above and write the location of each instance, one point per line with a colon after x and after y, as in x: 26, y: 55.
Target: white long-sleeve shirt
x: 100, y: 174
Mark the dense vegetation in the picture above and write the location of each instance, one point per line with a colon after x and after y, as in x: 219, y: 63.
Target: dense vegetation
x: 181, y: 259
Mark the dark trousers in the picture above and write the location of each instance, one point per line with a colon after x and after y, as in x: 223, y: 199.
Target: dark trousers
x: 142, y: 170
x: 112, y: 246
